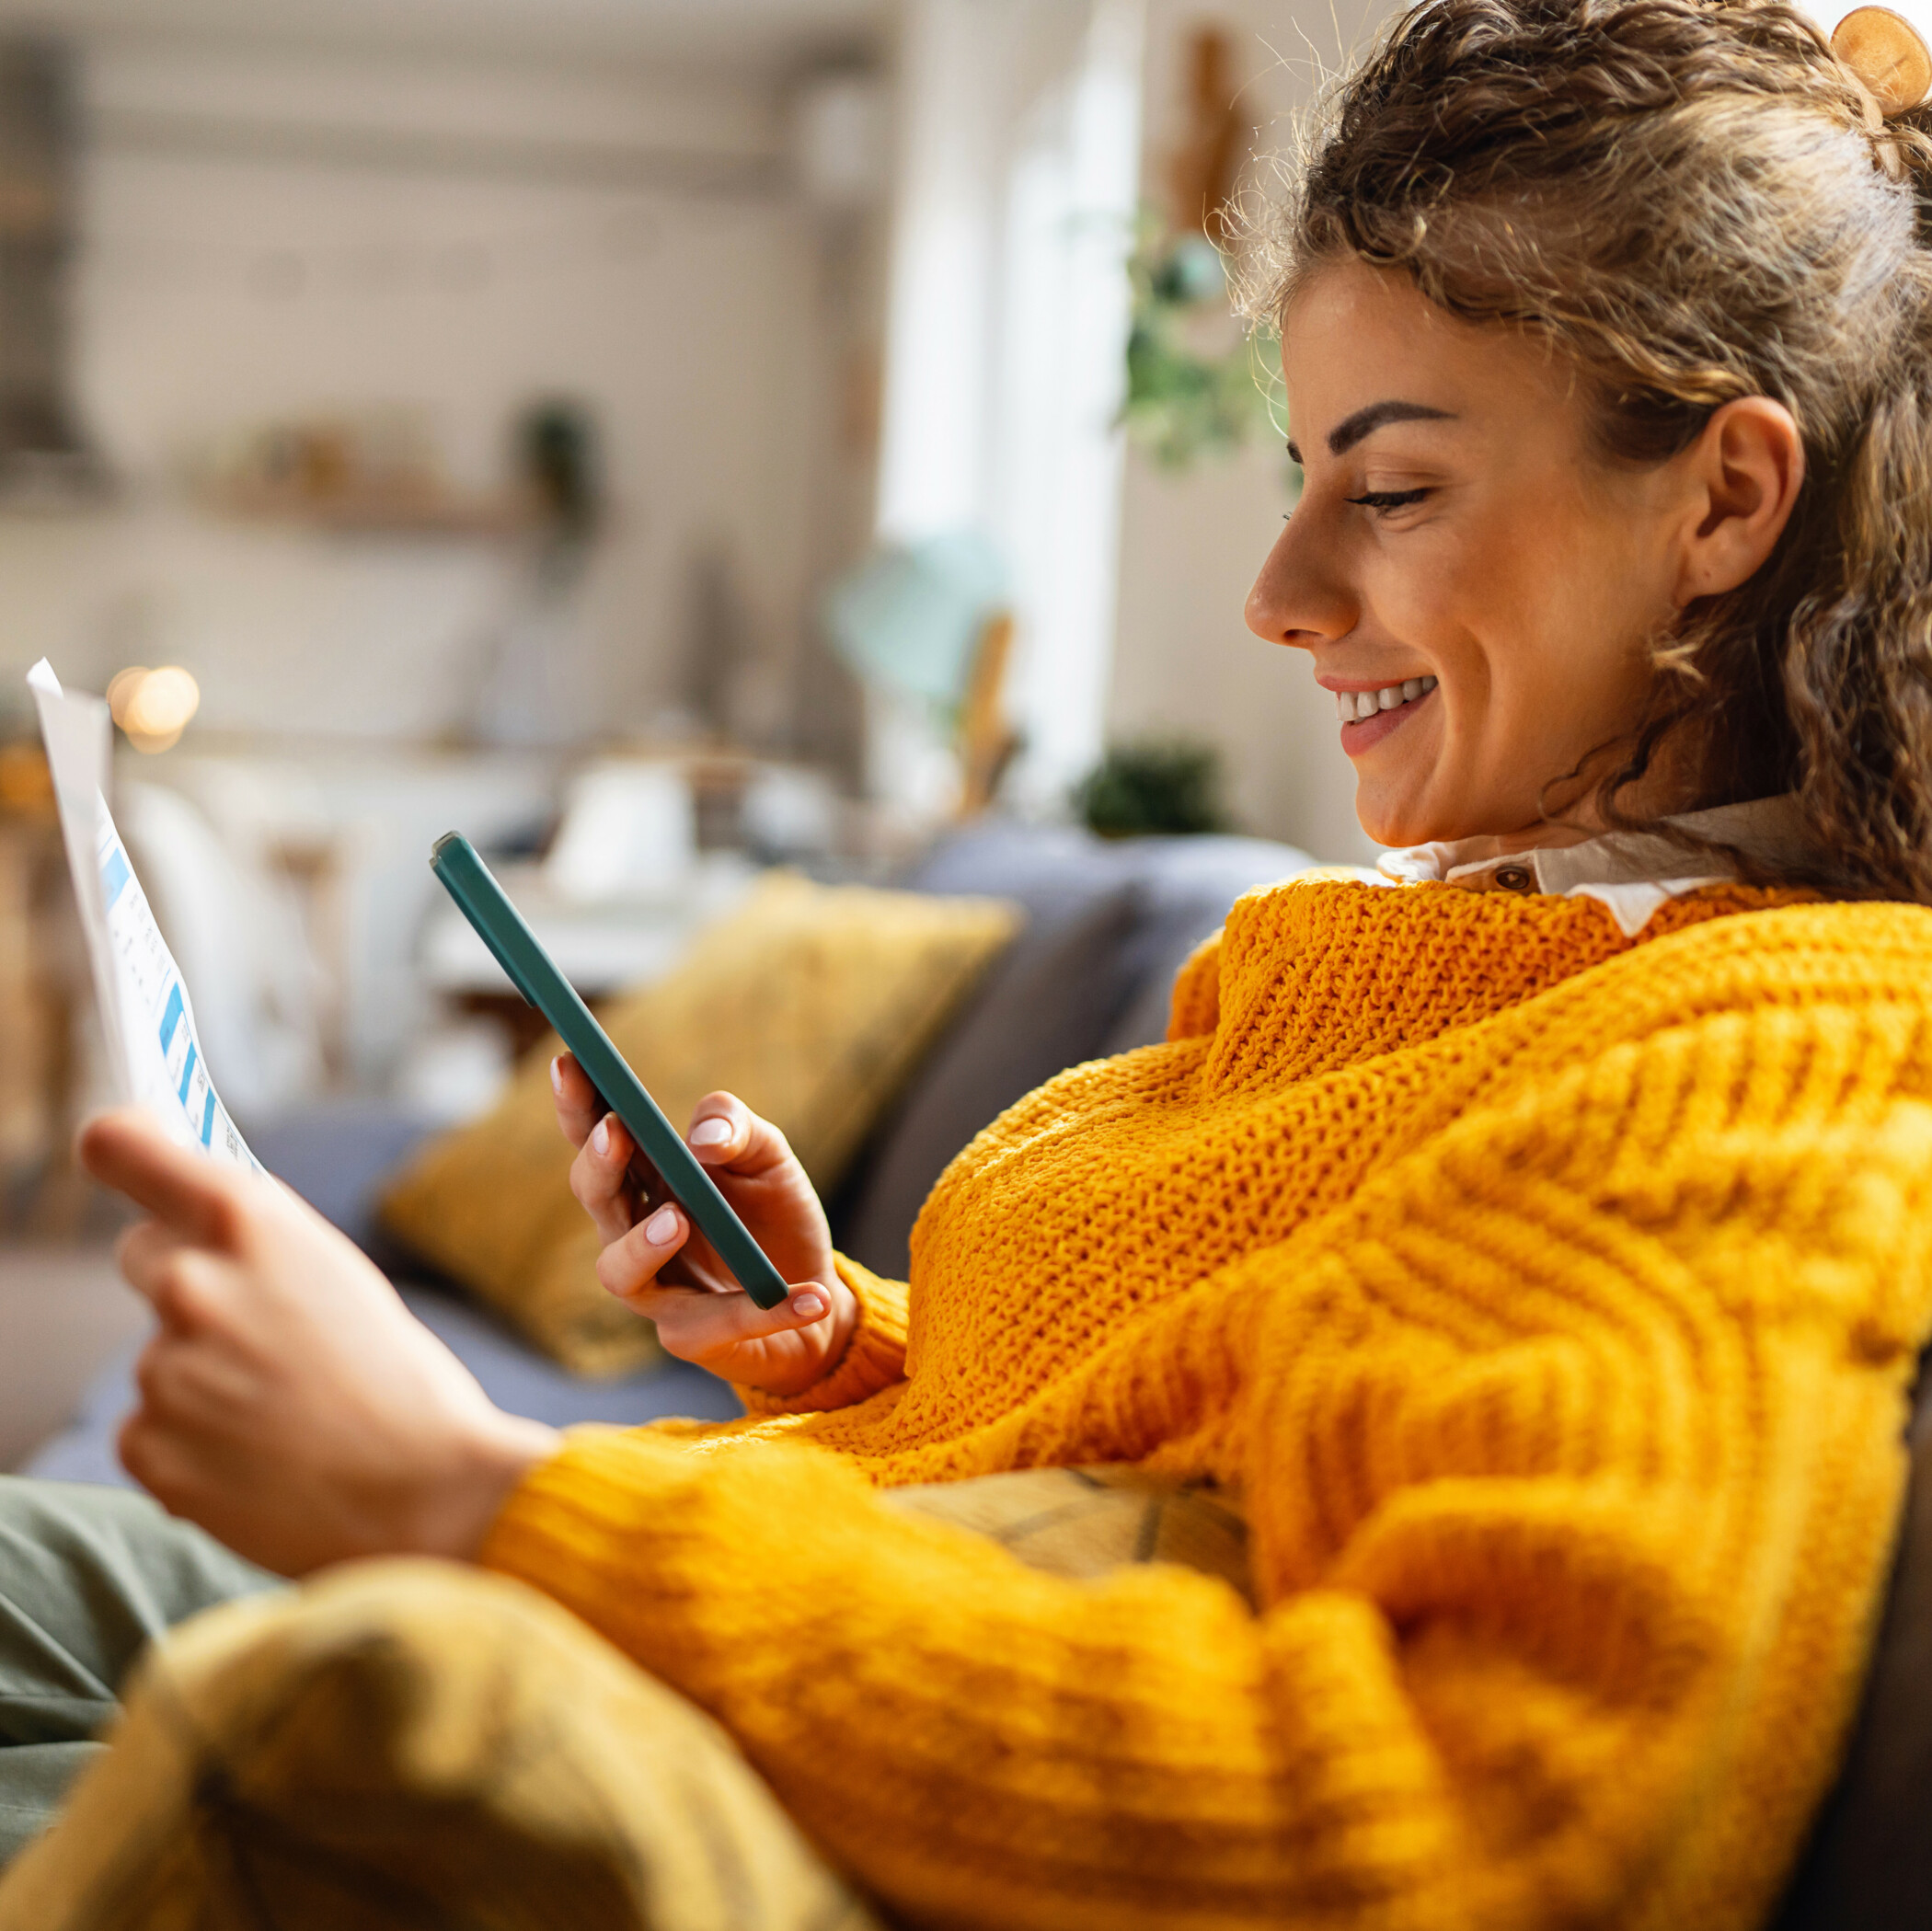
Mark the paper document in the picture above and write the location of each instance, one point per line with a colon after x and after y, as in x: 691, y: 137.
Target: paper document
x: 145, y: 1011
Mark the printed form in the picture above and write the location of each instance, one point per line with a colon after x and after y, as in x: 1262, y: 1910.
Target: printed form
x: 145, y: 1010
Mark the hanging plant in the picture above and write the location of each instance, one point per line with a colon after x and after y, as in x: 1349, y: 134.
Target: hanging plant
x: 1186, y: 400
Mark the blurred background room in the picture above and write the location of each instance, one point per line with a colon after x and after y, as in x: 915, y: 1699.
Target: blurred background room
x: 665, y: 439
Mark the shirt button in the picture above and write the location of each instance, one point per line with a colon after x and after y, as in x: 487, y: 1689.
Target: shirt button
x: 1514, y: 877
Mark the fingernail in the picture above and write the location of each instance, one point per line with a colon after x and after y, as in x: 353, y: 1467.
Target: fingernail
x: 556, y: 1075
x: 601, y: 1136
x: 811, y: 1304
x: 711, y: 1132
x: 660, y: 1229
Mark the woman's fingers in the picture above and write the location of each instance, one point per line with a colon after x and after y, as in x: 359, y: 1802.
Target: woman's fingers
x: 177, y: 1278
x: 704, y: 1328
x: 726, y: 1133
x: 601, y: 1179
x: 579, y: 1105
x: 144, y: 1253
x: 155, y: 1459
x: 127, y: 1150
x: 631, y: 1263
x: 203, y: 1384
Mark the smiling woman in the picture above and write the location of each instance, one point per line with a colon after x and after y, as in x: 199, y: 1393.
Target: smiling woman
x: 1613, y: 381
x: 1532, y: 1255
x: 1474, y: 569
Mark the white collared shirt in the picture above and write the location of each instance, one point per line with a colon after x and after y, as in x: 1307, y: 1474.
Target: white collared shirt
x: 1631, y: 872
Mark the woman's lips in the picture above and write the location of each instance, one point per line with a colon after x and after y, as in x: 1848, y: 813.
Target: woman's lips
x: 1369, y: 731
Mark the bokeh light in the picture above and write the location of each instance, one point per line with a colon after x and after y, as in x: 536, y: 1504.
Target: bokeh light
x: 154, y: 707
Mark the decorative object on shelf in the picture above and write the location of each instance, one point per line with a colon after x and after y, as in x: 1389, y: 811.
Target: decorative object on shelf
x: 374, y: 470
x: 1153, y: 786
x: 538, y: 681
x: 559, y: 465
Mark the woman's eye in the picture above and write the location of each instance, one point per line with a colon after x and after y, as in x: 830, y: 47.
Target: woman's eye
x: 1381, y: 501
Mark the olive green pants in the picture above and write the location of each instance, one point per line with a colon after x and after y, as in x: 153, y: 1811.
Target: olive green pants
x: 88, y: 1577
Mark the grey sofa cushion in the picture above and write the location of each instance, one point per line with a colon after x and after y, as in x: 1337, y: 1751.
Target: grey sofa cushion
x: 1186, y: 888
x: 1047, y: 1006
x: 336, y: 1155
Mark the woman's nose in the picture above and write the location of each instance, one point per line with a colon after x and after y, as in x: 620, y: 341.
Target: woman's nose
x: 1299, y: 599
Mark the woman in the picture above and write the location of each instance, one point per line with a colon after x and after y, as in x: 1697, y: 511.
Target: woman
x: 1536, y: 1246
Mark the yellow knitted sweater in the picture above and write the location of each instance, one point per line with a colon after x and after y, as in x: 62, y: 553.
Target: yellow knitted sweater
x: 1550, y: 1298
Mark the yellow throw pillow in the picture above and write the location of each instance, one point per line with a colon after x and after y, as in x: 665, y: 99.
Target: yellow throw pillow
x: 812, y: 1002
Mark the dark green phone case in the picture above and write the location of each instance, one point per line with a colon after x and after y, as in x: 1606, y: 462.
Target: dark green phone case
x: 500, y: 926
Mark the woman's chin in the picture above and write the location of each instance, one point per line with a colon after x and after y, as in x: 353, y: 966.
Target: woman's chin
x: 1397, y: 799
x: 1395, y: 822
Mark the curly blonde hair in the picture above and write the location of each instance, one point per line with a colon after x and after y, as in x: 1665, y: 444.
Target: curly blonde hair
x: 1693, y: 201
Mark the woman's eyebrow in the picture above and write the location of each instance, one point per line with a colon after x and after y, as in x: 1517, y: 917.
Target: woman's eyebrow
x: 1350, y: 429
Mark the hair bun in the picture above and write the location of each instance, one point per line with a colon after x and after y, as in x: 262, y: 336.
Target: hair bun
x: 1888, y: 53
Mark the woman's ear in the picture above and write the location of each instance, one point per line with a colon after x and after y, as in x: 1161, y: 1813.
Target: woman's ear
x: 1742, y: 475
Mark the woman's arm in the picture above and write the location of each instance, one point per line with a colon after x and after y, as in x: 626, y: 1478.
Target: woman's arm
x: 982, y: 1743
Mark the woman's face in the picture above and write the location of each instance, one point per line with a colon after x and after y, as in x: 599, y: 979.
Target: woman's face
x: 1466, y: 573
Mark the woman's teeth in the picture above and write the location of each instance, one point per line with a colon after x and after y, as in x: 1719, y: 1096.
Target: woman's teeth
x: 1354, y: 705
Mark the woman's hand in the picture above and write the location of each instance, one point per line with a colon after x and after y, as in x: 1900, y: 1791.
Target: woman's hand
x: 664, y: 1269
x: 290, y: 1403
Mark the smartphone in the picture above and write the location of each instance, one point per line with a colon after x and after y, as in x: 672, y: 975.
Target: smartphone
x: 533, y: 973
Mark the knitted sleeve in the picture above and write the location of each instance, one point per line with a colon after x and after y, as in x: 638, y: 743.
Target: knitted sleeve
x: 982, y: 1743
x: 874, y: 1358
x: 1569, y: 1484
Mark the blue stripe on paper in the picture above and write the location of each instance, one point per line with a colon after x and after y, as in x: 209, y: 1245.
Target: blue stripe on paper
x: 171, y: 1017
x: 187, y: 1074
x: 115, y: 875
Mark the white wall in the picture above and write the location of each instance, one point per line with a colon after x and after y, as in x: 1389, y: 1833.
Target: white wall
x: 276, y: 233
x: 1185, y: 664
